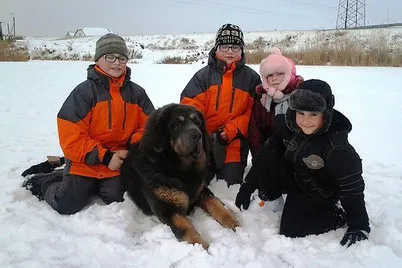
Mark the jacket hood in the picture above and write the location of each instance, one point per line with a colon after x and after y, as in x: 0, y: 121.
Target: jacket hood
x: 92, y: 74
x: 340, y: 123
x: 220, y: 65
x: 276, y: 62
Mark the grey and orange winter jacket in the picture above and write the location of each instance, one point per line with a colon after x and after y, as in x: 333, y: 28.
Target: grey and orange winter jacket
x: 101, y: 115
x: 224, y: 96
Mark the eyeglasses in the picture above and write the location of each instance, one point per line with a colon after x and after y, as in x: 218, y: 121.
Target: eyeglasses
x: 112, y: 58
x: 225, y: 48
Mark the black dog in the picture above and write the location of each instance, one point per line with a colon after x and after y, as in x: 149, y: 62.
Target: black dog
x: 164, y: 173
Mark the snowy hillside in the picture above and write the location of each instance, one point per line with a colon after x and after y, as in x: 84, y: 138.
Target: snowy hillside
x: 195, y: 47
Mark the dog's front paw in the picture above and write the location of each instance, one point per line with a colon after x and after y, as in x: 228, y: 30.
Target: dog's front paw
x: 229, y: 221
x: 205, y: 245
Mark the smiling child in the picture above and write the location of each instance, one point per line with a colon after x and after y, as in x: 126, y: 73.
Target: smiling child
x: 310, y: 159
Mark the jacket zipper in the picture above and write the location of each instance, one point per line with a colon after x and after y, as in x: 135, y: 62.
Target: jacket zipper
x: 232, y: 100
x: 124, y: 116
x: 217, y: 98
x: 109, y: 106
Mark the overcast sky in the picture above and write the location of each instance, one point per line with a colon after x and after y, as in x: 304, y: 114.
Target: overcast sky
x: 131, y: 17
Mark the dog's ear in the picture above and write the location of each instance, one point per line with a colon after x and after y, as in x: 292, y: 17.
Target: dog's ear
x: 152, y: 141
x: 206, y: 141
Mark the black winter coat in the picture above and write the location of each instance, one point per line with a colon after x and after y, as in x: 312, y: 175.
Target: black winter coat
x: 324, y: 166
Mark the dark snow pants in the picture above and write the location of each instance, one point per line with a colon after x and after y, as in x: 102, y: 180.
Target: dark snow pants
x: 73, y: 192
x: 232, y: 173
x: 302, y: 214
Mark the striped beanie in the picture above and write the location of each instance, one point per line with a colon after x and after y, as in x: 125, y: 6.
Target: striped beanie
x: 229, y: 34
x: 110, y: 43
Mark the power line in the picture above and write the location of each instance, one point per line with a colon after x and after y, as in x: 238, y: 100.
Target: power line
x: 258, y: 11
x: 246, y: 10
x: 309, y: 3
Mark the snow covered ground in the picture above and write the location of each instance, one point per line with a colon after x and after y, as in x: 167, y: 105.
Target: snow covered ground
x: 119, y: 235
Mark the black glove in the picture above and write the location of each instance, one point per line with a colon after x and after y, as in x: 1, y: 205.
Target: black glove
x: 352, y: 237
x: 44, y: 167
x: 243, y: 198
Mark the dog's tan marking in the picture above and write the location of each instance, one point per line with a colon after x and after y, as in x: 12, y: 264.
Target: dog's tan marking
x: 181, y: 118
x: 192, y: 115
x: 189, y: 233
x: 175, y: 197
x: 217, y: 210
x: 200, y: 189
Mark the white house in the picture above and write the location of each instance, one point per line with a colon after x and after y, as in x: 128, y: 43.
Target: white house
x: 70, y: 34
x: 91, y: 31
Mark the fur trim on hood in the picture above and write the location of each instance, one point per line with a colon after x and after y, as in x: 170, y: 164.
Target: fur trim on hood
x: 306, y: 100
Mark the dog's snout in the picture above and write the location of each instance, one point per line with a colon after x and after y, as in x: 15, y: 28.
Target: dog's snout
x: 188, y: 141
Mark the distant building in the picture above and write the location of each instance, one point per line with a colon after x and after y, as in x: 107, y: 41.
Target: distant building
x: 70, y: 34
x: 91, y: 31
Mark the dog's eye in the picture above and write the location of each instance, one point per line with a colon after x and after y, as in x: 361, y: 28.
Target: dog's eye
x: 196, y: 120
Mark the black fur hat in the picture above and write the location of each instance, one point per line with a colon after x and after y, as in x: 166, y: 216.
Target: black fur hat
x: 312, y: 95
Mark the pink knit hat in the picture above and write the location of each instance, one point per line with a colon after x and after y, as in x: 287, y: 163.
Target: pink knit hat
x: 280, y: 64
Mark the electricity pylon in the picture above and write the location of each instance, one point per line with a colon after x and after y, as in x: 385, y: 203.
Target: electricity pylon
x: 351, y: 14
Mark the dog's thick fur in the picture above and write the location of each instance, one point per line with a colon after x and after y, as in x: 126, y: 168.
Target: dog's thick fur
x: 164, y: 173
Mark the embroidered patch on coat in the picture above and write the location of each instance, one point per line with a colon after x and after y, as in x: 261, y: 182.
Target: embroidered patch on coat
x: 313, y: 161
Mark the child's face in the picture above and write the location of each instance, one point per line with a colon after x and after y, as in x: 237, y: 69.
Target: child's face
x: 113, y: 64
x: 275, y: 79
x: 309, y: 122
x: 229, y: 53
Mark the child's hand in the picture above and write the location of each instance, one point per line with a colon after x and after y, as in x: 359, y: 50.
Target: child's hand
x: 243, y: 198
x: 352, y: 237
x: 122, y: 154
x: 117, y: 159
x: 223, y: 136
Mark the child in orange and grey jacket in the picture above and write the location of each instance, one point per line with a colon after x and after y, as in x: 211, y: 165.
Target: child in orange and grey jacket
x: 96, y: 124
x: 222, y: 91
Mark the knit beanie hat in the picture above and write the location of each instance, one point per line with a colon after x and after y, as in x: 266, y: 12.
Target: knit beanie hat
x: 276, y: 63
x: 229, y: 34
x: 312, y: 95
x: 110, y: 43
